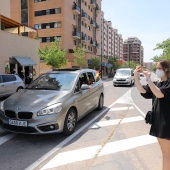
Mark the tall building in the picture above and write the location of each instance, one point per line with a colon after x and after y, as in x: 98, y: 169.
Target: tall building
x: 112, y: 42
x: 71, y: 21
x: 133, y: 50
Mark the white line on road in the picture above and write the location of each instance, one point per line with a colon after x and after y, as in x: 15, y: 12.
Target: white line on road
x: 64, y: 142
x: 121, y: 108
x: 89, y: 152
x: 6, y: 138
x: 116, y: 121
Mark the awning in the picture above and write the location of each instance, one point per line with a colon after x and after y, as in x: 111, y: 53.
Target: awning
x: 25, y: 61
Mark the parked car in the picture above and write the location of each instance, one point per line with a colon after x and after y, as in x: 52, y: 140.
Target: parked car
x: 9, y: 84
x: 124, y: 76
x: 52, y: 103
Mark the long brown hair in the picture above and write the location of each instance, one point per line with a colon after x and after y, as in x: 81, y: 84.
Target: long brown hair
x: 165, y: 66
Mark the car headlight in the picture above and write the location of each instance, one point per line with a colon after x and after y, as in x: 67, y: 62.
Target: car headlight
x: 2, y: 106
x: 53, y: 109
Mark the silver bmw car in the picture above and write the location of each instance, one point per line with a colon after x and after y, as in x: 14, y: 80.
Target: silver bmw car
x: 53, y: 102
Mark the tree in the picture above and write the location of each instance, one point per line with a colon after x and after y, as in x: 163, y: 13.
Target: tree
x: 165, y: 46
x: 79, y: 54
x: 53, y: 55
x: 114, y: 62
x: 131, y: 64
x: 95, y: 62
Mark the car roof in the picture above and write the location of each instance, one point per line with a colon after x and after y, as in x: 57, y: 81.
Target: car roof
x: 125, y: 69
x: 73, y: 70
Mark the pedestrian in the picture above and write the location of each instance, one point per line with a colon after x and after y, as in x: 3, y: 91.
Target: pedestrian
x: 159, y: 92
x: 30, y: 77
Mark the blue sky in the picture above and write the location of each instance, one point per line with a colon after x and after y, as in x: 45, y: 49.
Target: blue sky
x: 149, y: 20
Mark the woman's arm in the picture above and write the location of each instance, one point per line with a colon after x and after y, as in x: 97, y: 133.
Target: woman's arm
x: 137, y: 82
x: 156, y: 91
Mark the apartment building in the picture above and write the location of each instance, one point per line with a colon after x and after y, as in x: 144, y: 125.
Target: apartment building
x: 16, y: 52
x: 71, y: 21
x: 133, y: 50
x: 112, y: 41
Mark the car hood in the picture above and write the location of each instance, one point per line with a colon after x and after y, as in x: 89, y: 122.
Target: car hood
x: 35, y: 98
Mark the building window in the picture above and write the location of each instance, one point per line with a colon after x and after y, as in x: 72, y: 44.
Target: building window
x: 82, y: 23
x: 85, y: 3
x: 74, y: 17
x: 89, y: 7
x: 47, y: 12
x: 57, y: 24
x: 50, y: 39
x: 85, y: 25
x: 36, y: 26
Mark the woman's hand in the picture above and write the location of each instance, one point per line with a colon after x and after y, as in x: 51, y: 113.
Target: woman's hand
x: 147, y: 74
x: 137, y: 71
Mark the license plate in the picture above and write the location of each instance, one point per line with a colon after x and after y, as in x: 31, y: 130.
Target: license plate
x: 18, y: 123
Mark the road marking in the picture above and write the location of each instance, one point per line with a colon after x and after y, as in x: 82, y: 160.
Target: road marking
x: 64, y: 142
x: 89, y: 152
x: 6, y: 138
x: 115, y: 122
x: 121, y: 108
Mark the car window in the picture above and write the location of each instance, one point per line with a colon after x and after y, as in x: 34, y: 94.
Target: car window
x: 53, y: 81
x: 1, y: 80
x: 96, y: 75
x: 8, y: 78
x: 90, y: 77
x: 123, y: 72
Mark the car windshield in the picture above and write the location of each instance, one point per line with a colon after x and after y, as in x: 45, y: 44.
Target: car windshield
x: 123, y: 72
x: 53, y: 81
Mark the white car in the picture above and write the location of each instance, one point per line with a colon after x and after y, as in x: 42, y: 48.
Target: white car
x: 9, y: 84
x: 124, y: 76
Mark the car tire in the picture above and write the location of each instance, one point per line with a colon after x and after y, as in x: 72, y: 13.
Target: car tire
x: 19, y: 88
x: 101, y: 102
x: 70, y: 122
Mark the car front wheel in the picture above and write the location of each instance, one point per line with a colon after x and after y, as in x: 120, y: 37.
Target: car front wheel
x: 70, y: 122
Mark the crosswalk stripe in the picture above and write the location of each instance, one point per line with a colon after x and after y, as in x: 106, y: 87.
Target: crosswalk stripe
x: 116, y: 121
x: 90, y: 152
x: 121, y: 108
x: 6, y: 138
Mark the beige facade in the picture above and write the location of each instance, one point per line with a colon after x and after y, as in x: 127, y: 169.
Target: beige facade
x: 15, y: 45
x: 5, y: 8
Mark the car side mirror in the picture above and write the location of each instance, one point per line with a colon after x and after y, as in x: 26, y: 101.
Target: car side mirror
x: 85, y: 87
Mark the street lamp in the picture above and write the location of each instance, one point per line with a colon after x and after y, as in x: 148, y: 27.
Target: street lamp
x: 102, y: 23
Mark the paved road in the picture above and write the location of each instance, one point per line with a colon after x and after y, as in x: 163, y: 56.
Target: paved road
x: 114, y: 139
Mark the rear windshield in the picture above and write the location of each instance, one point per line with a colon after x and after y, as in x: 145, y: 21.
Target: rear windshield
x: 57, y: 81
x: 123, y: 72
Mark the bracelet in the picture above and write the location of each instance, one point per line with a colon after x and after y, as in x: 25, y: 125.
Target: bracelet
x: 148, y: 79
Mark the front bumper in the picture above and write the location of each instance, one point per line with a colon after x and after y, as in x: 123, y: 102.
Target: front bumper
x: 47, y: 124
x: 121, y: 82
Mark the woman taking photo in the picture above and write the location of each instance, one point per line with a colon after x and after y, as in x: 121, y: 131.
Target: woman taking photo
x: 159, y: 92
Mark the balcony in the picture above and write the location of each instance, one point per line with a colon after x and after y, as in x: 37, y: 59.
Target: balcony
x: 97, y: 27
x: 93, y: 23
x: 76, y: 9
x: 84, y: 39
x: 93, y: 43
x: 84, y: 17
x: 76, y: 34
x: 98, y: 9
x: 93, y: 4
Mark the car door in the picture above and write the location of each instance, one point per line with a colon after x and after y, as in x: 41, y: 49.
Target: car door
x: 82, y: 97
x: 10, y: 84
x: 95, y: 88
x: 2, y: 87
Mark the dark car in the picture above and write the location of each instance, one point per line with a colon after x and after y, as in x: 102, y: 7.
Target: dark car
x: 53, y: 102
